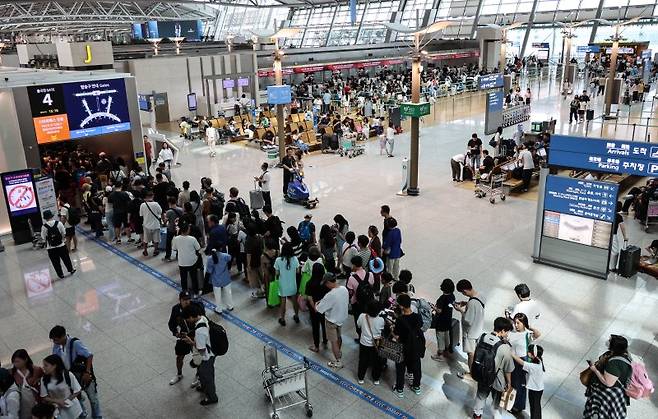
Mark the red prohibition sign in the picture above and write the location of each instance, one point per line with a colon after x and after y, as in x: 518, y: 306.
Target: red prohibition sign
x: 21, y: 197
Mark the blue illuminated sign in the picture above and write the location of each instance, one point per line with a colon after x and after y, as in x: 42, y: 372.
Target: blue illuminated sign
x: 581, y: 198
x: 490, y: 81
x: 279, y: 95
x: 600, y: 155
x: 588, y: 49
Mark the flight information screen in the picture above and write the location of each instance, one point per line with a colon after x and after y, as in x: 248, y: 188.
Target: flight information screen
x: 80, y: 109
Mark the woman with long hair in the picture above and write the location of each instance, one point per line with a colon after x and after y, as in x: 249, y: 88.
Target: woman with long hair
x: 197, y: 210
x: 340, y: 228
x: 315, y: 291
x: 60, y: 388
x: 520, y: 339
x: 328, y: 247
x: 27, y: 377
x: 218, y: 267
x: 286, y: 267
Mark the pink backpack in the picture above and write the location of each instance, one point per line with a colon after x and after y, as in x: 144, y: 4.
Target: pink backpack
x: 639, y: 386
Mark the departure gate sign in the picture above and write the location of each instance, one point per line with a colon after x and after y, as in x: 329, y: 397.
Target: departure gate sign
x: 77, y: 110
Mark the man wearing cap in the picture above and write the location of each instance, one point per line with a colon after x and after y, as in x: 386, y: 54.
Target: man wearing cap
x: 306, y: 231
x: 334, y: 306
x: 53, y: 232
x: 179, y: 328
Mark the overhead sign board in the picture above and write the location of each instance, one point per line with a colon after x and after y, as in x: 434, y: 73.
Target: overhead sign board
x: 491, y: 81
x: 580, y: 197
x: 415, y: 110
x: 279, y: 95
x: 588, y: 49
x: 493, y: 113
x: 601, y: 155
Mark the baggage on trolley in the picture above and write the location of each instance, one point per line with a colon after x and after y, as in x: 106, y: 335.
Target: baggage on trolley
x: 492, y: 185
x: 285, y: 387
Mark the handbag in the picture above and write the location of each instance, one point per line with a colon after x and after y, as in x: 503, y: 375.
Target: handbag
x: 392, y: 350
x: 306, y: 276
x: 507, y: 399
x: 273, y: 299
x: 587, y: 374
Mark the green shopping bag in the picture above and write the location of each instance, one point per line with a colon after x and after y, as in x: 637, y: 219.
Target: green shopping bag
x: 306, y: 276
x: 273, y: 299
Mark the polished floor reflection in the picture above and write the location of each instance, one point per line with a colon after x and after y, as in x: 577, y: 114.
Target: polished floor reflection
x: 121, y: 311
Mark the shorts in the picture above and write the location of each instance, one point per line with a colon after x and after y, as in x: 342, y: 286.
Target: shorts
x: 442, y: 340
x: 182, y: 348
x: 120, y: 219
x: 151, y: 235
x: 333, y: 331
x: 70, y: 232
x: 469, y: 345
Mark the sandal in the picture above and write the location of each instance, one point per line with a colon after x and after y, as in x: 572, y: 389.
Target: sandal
x: 314, y: 349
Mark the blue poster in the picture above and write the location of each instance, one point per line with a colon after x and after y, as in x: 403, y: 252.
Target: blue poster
x: 601, y: 155
x: 490, y: 81
x: 581, y: 198
x: 279, y: 95
x: 96, y: 107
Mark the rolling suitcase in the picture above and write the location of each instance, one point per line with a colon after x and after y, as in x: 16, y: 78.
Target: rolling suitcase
x: 455, y: 339
x: 256, y: 200
x: 162, y: 244
x: 590, y: 115
x: 629, y: 261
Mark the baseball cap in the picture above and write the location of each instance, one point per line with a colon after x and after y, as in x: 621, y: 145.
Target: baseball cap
x: 184, y: 295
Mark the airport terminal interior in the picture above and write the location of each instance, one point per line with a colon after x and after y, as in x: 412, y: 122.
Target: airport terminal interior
x: 395, y: 208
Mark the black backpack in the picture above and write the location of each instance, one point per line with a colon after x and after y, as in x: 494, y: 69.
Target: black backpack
x: 218, y: 337
x: 73, y: 215
x: 216, y: 207
x: 53, y: 236
x: 277, y: 231
x: 484, y: 369
x: 239, y: 207
x: 364, y: 291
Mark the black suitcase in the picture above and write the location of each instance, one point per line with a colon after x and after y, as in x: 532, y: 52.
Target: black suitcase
x: 629, y: 261
x: 590, y: 115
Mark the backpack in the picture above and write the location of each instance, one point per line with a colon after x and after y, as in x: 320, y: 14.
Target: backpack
x: 425, y: 311
x: 73, y: 215
x: 639, y: 386
x: 364, y: 291
x: 218, y: 337
x: 216, y: 207
x: 484, y: 369
x: 53, y: 235
x: 305, y: 231
x: 278, y: 227
x: 239, y: 207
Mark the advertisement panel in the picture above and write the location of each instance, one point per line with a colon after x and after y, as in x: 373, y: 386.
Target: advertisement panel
x: 19, y: 193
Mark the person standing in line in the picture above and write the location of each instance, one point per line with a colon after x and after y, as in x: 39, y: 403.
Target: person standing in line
x: 264, y: 182
x: 254, y: 249
x: 358, y: 275
x: 408, y: 331
x: 120, y: 203
x: 171, y: 220
x: 390, y: 139
x: 66, y: 215
x: 286, y: 266
x: 503, y: 366
x: 195, y: 318
x: 392, y: 247
x: 528, y: 165
x: 334, y: 305
x: 475, y: 148
x: 218, y: 268
x: 180, y: 329
x: 526, y: 305
x: 151, y: 213
x: 79, y: 360
x: 617, y: 244
x: 472, y: 319
x: 27, y: 377
x: 534, y: 367
x: 52, y: 233
x: 315, y: 291
x: 520, y: 337
x: 10, y: 396
x: 187, y: 249
x: 148, y: 154
x: 217, y: 235
x: 60, y: 388
x: 442, y: 320
x: 184, y: 195
x: 372, y: 326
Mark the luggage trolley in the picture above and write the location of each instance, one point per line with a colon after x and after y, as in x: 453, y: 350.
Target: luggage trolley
x: 492, y: 185
x: 285, y: 386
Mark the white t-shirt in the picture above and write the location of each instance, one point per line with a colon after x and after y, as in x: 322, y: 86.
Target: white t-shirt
x: 64, y: 212
x: 334, y: 305
x: 530, y: 308
x: 519, y: 342
x: 202, y: 338
x: 535, y: 377
x: 61, y: 391
x: 376, y: 325
x: 265, y: 181
x: 460, y: 158
x: 348, y: 252
x: 390, y: 133
x: 187, y: 248
x: 526, y: 159
x: 151, y: 213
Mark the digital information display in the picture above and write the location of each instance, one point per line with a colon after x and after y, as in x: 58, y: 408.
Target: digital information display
x: 144, y: 102
x: 78, y: 110
x: 191, y: 102
x: 491, y: 81
x: 579, y: 211
x: 493, y: 113
x: 228, y: 83
x: 19, y: 193
x: 601, y: 155
x: 279, y: 95
x: 243, y: 82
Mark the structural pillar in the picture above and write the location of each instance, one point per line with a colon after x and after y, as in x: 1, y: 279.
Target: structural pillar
x: 281, y: 130
x: 413, y: 189
x: 609, y: 89
x: 503, y: 52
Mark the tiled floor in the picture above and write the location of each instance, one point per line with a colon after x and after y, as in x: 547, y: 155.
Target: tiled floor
x: 121, y: 311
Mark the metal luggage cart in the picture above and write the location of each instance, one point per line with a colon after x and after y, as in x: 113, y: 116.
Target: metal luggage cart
x: 492, y: 185
x: 285, y: 386
x: 652, y: 215
x: 350, y: 148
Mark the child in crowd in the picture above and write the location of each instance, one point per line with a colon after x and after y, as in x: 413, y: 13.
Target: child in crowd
x: 535, y: 370
x: 371, y: 326
x: 442, y: 319
x: 386, y: 292
x: 405, y: 277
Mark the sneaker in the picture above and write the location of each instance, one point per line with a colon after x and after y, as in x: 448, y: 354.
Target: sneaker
x: 176, y: 379
x: 218, y: 311
x: 376, y: 382
x: 72, y: 272
x: 195, y: 383
x: 335, y: 364
x: 361, y: 381
x: 282, y: 322
x: 296, y: 318
x: 416, y: 390
x: 398, y: 393
x: 206, y: 402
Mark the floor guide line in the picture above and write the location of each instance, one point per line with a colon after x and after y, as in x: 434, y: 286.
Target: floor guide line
x: 324, y: 372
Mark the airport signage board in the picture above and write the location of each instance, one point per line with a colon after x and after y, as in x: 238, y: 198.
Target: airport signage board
x: 414, y: 110
x: 20, y: 196
x: 491, y: 81
x: 581, y: 198
x: 279, y: 95
x: 493, y: 113
x: 602, y: 155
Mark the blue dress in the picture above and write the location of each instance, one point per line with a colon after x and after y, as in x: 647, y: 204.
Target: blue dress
x: 287, y: 276
x: 219, y: 272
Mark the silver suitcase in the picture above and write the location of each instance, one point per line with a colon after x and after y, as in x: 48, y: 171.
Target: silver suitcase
x: 256, y: 200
